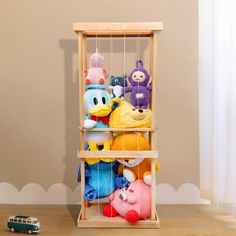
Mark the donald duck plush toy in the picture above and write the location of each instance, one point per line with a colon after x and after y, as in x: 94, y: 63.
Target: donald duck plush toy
x: 97, y: 107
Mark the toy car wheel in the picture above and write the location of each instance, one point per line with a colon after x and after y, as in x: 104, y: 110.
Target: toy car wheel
x: 29, y: 231
x: 12, y: 230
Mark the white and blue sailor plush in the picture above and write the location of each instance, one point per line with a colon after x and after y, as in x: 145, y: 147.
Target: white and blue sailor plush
x: 117, y: 83
x: 97, y: 107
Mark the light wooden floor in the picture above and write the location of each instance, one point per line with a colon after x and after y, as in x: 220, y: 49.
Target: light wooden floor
x: 175, y: 220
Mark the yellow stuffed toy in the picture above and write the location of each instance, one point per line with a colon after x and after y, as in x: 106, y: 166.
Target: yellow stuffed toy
x: 127, y: 116
x: 134, y: 168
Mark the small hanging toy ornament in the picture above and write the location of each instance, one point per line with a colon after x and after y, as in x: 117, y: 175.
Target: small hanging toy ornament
x: 95, y: 76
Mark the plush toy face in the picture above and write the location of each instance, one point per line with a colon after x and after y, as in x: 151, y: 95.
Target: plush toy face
x: 126, y: 115
x: 118, y: 80
x: 138, y: 76
x: 95, y: 102
x: 132, y: 113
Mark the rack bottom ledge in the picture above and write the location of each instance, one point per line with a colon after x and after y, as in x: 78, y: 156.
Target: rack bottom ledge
x: 95, y: 219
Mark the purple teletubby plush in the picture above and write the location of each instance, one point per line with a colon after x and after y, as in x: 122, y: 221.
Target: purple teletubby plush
x: 140, y: 90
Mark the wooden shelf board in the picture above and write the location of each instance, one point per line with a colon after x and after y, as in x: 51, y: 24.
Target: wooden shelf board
x: 120, y: 129
x: 118, y: 154
x: 95, y: 219
x: 117, y: 28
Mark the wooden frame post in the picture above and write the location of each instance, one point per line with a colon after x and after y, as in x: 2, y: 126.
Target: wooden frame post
x: 153, y: 63
x: 81, y: 109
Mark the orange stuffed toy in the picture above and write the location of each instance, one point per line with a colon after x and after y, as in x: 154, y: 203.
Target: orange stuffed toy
x: 133, y: 168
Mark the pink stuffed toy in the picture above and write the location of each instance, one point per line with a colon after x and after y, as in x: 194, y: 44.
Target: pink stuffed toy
x: 96, y: 72
x: 132, y: 203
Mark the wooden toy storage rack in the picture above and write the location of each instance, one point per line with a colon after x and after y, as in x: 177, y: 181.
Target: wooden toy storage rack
x: 88, y: 217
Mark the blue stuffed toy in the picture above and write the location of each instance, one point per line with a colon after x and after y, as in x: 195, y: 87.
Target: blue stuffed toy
x: 117, y: 85
x: 101, y: 180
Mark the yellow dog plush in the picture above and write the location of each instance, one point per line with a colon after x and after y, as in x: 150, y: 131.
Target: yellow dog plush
x: 134, y: 168
x: 127, y: 116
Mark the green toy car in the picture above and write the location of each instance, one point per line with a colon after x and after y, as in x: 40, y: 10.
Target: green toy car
x: 25, y: 224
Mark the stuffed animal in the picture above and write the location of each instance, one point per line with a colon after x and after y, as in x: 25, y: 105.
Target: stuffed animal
x: 133, y: 202
x: 140, y: 90
x: 97, y: 107
x: 117, y: 83
x: 127, y: 116
x: 101, y: 180
x: 95, y: 75
x: 134, y: 168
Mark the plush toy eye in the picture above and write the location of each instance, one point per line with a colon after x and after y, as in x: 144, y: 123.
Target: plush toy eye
x: 134, y: 76
x: 122, y: 196
x: 95, y: 101
x: 141, y: 76
x: 103, y: 100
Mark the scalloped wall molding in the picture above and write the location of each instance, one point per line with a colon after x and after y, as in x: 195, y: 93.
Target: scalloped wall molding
x: 61, y: 194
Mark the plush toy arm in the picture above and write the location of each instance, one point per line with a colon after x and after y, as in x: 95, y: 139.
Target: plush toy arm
x: 116, y: 168
x: 121, y: 182
x: 149, y: 87
x: 120, y: 169
x: 129, y: 175
x: 89, y: 124
x: 111, y: 197
x: 113, y: 104
x: 79, y: 174
x: 157, y: 164
x: 147, y: 178
x: 111, y: 87
x: 89, y: 193
x: 127, y: 89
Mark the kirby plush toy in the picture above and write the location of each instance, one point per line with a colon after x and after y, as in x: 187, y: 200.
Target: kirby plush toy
x: 133, y: 202
x: 95, y: 75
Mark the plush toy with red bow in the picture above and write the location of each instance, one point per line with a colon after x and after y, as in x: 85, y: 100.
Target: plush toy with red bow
x: 97, y: 108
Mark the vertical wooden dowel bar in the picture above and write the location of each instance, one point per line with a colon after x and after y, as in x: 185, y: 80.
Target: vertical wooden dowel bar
x: 84, y: 57
x: 81, y: 84
x: 83, y: 203
x: 150, y: 43
x: 84, y: 89
x: 153, y: 134
x: 81, y: 109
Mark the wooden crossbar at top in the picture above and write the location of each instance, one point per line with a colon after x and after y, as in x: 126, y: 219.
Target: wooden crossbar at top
x: 117, y: 29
